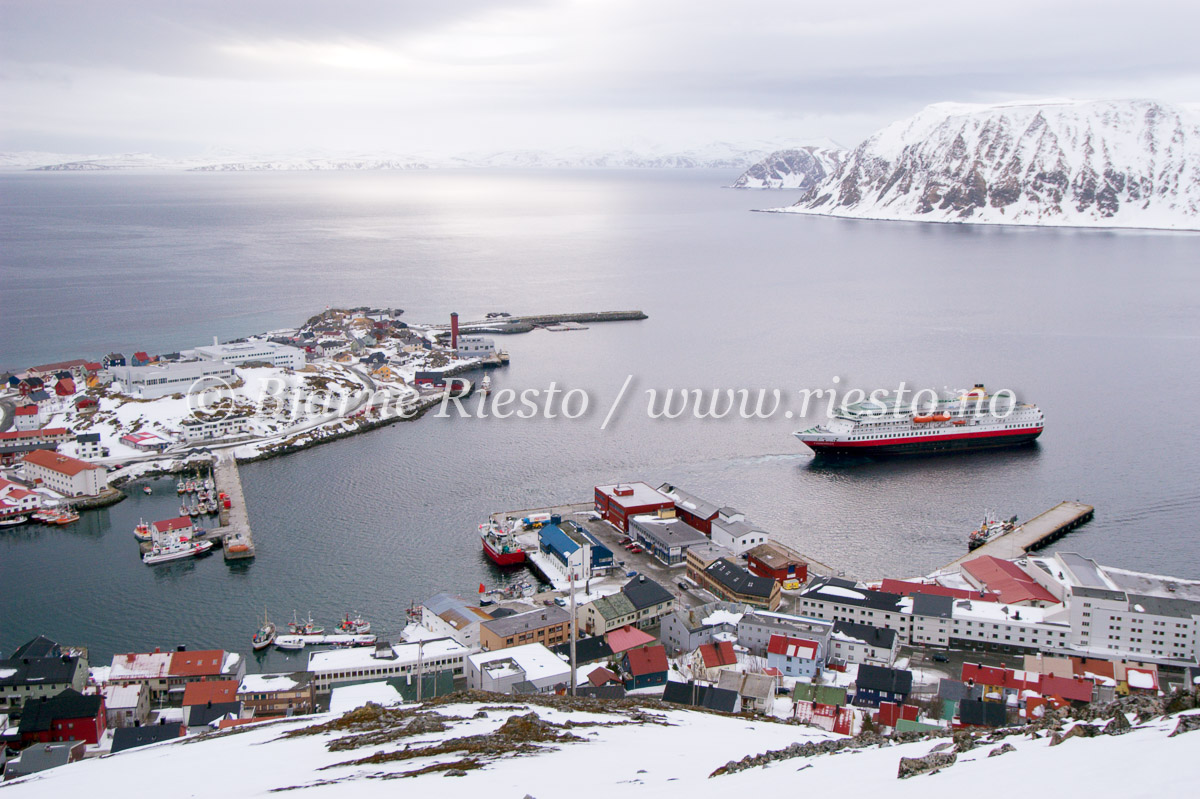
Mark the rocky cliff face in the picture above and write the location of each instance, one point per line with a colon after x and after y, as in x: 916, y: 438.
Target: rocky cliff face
x: 802, y: 168
x: 1133, y: 163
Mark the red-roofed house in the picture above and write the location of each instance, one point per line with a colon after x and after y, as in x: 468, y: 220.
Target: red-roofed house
x: 1141, y: 680
x: 602, y: 676
x: 794, y: 657
x: 204, y: 663
x: 645, y: 667
x: 1008, y: 581
x: 64, y: 474
x: 75, y: 367
x: 1076, y: 690
x: 65, y: 387
x: 15, y: 499
x: 711, y: 659
x: 718, y: 654
x: 628, y: 637
x: 140, y: 359
x: 180, y: 524
x: 908, y: 588
x: 27, y: 417
x: 215, y: 691
x: 145, y: 442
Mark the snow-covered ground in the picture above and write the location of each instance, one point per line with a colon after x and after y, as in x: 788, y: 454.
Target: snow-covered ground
x: 1103, y: 163
x: 656, y: 753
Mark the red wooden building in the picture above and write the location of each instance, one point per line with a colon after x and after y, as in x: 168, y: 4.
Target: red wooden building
x: 697, y: 512
x: 68, y: 716
x: 778, y: 562
x: 617, y: 503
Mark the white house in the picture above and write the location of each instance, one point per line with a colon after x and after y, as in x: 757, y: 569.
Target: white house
x: 476, y: 346
x: 127, y: 705
x: 452, y: 616
x: 731, y: 530
x: 278, y: 355
x: 531, y: 668
x: 208, y: 429
x: 64, y: 474
x: 367, y: 664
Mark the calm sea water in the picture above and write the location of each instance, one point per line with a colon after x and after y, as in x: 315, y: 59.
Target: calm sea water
x: 1099, y: 328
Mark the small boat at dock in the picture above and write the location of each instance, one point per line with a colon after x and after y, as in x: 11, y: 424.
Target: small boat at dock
x: 265, y: 635
x: 305, y: 627
x: 13, y: 521
x: 143, y: 531
x: 991, y: 529
x: 147, y: 490
x: 167, y: 548
x: 354, y: 626
x: 485, y: 386
x: 65, y: 517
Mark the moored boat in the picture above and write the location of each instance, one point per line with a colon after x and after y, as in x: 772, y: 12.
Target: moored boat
x: 354, y: 626
x: 143, y: 532
x: 485, y: 386
x: 991, y: 529
x: 500, y: 545
x: 305, y: 627
x: 65, y: 517
x: 265, y: 635
x: 13, y: 520
x: 167, y: 548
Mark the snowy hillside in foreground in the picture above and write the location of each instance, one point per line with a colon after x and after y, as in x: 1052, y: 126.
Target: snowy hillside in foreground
x: 798, y: 168
x: 499, y: 750
x: 1118, y: 163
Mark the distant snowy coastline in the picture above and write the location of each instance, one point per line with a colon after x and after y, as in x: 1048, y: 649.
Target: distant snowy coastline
x: 1101, y: 164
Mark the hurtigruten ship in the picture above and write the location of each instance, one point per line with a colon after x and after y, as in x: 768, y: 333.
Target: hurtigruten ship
x: 963, y: 422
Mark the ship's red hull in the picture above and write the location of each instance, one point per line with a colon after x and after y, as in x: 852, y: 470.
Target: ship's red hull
x: 513, y: 557
x: 918, y: 445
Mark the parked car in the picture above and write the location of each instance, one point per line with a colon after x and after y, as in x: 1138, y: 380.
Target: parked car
x: 637, y: 550
x: 626, y: 540
x: 940, y: 658
x: 684, y: 587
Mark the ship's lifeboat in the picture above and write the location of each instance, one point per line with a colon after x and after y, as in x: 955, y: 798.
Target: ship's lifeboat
x: 922, y: 419
x: 239, y: 548
x: 941, y: 417
x: 960, y: 421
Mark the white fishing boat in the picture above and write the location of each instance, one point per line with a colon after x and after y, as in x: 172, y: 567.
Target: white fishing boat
x: 354, y: 626
x: 13, y: 521
x: 143, y: 531
x: 265, y: 635
x: 168, y: 547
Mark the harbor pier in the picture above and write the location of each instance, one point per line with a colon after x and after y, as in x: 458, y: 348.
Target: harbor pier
x: 1043, y: 529
x: 237, y: 542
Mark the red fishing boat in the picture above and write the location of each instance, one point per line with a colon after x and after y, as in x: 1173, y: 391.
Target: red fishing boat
x: 500, y: 545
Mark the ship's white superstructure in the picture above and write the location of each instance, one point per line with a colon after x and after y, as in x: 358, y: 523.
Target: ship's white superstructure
x: 968, y: 420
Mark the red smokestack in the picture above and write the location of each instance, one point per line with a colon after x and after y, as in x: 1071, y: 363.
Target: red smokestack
x: 454, y: 331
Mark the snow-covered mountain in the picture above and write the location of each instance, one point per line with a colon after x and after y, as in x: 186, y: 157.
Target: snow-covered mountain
x: 98, y: 162
x: 311, y: 164
x: 1116, y: 163
x: 799, y: 168
x: 717, y: 155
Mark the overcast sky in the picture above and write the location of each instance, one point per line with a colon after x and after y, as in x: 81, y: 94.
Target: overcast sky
x: 175, y: 78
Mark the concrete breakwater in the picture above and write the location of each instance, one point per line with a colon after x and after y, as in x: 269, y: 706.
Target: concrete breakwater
x: 523, y: 324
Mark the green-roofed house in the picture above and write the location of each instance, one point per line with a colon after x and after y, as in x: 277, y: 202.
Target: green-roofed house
x: 607, y: 613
